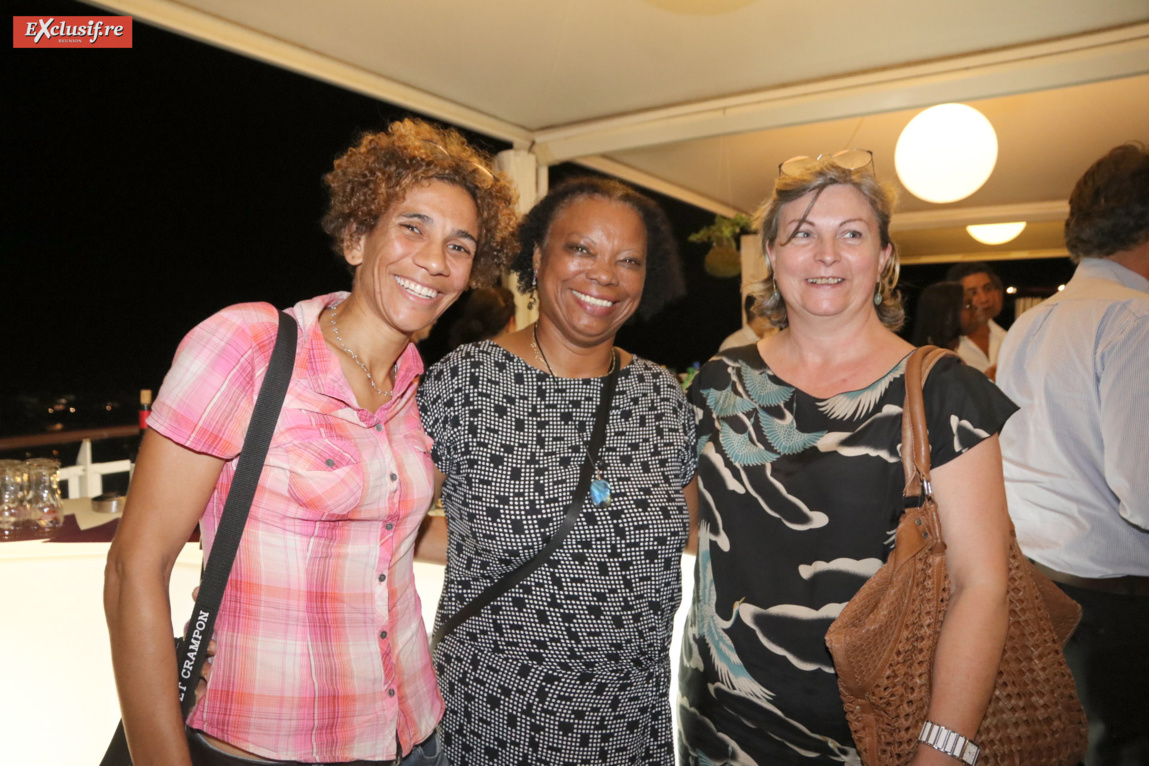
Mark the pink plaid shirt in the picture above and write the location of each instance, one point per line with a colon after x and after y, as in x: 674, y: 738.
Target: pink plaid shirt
x: 322, y: 651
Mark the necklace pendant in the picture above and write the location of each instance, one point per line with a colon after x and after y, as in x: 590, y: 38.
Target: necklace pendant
x: 600, y: 492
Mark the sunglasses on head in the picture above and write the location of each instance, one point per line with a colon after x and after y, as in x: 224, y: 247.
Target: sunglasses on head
x: 850, y: 159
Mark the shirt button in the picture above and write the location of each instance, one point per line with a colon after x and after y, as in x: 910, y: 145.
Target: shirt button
x: 388, y: 526
x: 330, y: 463
x: 378, y: 426
x: 394, y: 477
x: 382, y: 577
x: 382, y: 634
x: 390, y: 692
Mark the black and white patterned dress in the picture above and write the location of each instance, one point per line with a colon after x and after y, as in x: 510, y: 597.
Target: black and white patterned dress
x: 571, y: 666
x: 799, y: 498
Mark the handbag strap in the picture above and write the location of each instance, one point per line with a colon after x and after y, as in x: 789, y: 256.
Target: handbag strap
x: 493, y: 591
x: 191, y: 649
x: 915, y: 432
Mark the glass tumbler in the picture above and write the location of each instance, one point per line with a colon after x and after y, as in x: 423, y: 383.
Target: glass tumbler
x: 13, y: 483
x: 43, y: 498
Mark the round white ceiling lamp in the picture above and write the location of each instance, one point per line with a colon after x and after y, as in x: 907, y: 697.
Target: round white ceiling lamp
x: 946, y: 153
x: 995, y: 233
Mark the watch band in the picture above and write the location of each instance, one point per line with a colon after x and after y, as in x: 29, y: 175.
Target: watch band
x: 949, y: 742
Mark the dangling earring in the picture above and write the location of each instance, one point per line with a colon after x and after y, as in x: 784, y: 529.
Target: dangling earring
x: 534, y: 290
x: 878, y: 294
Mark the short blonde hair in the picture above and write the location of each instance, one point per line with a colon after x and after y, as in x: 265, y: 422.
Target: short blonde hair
x: 816, y: 178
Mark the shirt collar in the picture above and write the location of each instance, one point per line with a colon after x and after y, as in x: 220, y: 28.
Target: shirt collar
x: 325, y: 376
x: 1103, y: 268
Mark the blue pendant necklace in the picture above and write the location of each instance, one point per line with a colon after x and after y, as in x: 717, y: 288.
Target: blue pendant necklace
x: 599, y: 487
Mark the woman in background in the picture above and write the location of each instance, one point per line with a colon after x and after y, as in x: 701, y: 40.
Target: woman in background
x: 487, y: 313
x: 938, y: 320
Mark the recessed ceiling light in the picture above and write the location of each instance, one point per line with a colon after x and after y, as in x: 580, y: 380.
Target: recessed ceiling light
x: 995, y: 233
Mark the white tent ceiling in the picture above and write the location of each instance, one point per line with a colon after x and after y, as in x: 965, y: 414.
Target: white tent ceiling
x: 701, y: 99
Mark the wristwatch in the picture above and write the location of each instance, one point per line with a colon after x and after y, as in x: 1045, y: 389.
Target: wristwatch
x: 949, y: 742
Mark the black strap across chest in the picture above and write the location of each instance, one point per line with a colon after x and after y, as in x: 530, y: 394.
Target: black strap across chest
x: 586, y: 475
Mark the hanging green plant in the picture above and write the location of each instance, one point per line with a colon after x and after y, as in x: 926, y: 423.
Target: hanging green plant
x: 724, y: 258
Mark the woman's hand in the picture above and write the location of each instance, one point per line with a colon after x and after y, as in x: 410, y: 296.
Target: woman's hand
x: 205, y: 670
x: 431, y: 543
x: 170, y: 488
x: 690, y: 492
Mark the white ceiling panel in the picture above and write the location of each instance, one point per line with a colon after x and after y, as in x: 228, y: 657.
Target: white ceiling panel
x: 702, y: 99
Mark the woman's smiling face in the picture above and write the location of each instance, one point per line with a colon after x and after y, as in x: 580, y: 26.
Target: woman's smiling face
x: 591, y: 269
x: 416, y: 260
x: 827, y: 258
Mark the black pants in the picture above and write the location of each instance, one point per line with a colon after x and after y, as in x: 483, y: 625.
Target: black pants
x: 1109, y: 658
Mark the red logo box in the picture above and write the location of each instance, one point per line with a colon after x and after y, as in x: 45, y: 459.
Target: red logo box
x: 71, y: 31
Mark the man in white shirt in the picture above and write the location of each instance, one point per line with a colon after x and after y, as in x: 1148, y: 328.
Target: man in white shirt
x: 755, y: 329
x: 1076, y: 455
x: 981, y: 336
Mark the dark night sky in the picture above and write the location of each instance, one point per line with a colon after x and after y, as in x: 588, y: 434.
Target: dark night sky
x: 152, y: 186
x: 155, y: 185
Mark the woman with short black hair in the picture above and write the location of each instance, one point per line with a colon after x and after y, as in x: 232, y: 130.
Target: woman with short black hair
x: 570, y: 665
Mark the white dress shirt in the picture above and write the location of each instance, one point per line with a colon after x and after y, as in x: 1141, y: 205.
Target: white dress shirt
x: 743, y: 336
x: 1076, y: 455
x: 972, y: 354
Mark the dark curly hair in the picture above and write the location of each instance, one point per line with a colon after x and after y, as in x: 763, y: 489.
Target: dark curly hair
x: 485, y: 314
x: 664, y: 282
x: 960, y: 271
x: 382, y: 167
x: 1109, y: 206
x: 938, y: 319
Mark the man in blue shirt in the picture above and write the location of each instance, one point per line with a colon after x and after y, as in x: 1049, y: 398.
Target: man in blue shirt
x: 1076, y: 458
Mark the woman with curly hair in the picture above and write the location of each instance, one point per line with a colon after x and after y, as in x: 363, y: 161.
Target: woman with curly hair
x: 322, y: 656
x: 570, y: 663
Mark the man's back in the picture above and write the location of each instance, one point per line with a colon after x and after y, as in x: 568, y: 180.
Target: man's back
x: 1076, y: 455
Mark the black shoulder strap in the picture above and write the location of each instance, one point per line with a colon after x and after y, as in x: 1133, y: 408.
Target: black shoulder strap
x: 191, y: 650
x: 597, y: 438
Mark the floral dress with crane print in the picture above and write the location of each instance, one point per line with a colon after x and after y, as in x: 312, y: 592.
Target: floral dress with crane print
x: 799, y: 499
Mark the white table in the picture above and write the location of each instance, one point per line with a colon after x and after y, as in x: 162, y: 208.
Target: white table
x: 58, y: 702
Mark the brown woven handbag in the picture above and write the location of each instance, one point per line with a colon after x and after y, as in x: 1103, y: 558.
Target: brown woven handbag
x: 884, y: 640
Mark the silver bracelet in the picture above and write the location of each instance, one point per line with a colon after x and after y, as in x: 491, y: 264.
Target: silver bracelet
x: 949, y: 742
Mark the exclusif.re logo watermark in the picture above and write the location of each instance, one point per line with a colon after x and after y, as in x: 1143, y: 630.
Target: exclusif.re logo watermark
x: 71, y: 31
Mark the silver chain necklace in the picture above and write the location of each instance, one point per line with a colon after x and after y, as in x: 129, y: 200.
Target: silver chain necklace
x: 354, y: 357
